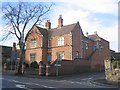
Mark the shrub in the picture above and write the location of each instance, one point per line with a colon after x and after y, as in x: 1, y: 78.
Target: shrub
x: 34, y: 64
x: 116, y: 64
x: 26, y: 65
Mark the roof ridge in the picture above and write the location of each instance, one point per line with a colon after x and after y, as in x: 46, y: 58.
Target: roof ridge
x: 64, y: 26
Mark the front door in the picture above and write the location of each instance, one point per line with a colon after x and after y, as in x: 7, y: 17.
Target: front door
x: 49, y: 58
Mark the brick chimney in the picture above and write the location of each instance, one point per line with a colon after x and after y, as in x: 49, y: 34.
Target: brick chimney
x: 14, y: 47
x: 60, y: 21
x: 48, y: 24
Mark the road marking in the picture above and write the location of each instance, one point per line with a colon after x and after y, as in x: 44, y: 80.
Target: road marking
x: 20, y: 86
x: 90, y: 78
x: 67, y: 81
x: 87, y: 78
x: 1, y: 78
x: 43, y: 85
x: 15, y: 81
x: 12, y: 80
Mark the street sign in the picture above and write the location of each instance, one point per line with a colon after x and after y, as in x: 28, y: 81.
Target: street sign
x: 59, y: 65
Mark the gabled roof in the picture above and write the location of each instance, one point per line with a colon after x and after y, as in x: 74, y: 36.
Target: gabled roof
x: 43, y: 31
x: 88, y: 39
x: 94, y: 37
x: 61, y: 31
x: 55, y: 31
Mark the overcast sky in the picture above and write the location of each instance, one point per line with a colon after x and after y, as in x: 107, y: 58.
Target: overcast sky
x: 93, y: 15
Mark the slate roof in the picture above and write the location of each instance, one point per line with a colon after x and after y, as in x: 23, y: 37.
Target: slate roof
x: 43, y: 31
x: 61, y: 31
x: 94, y: 37
x: 55, y: 31
x: 115, y: 56
x: 88, y: 39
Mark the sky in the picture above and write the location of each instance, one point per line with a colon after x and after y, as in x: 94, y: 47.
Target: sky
x: 93, y: 15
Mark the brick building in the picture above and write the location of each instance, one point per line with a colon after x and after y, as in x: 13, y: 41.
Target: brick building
x: 65, y: 43
x: 5, y: 53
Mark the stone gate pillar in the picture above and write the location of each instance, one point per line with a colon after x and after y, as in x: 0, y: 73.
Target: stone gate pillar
x: 5, y: 67
x: 108, y: 69
x: 23, y: 67
x: 41, y: 68
x: 48, y: 69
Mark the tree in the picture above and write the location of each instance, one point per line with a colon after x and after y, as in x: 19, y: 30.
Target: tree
x: 20, y: 15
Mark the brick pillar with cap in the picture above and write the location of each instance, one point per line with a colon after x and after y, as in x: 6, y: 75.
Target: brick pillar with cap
x: 48, y: 69
x: 41, y: 68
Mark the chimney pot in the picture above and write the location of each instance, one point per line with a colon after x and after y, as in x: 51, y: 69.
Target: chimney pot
x: 95, y: 32
x: 14, y: 44
x: 14, y: 47
x: 48, y: 24
x: 60, y: 21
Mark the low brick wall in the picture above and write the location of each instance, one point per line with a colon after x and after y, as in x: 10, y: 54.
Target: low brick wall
x: 70, y: 67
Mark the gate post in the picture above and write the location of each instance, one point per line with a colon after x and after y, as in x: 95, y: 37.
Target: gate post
x: 41, y: 70
x: 48, y: 69
x: 108, y: 69
x: 23, y: 67
x: 5, y: 67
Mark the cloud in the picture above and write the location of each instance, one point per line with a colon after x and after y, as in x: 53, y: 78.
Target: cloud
x: 1, y: 32
x: 83, y: 12
x: 97, y: 6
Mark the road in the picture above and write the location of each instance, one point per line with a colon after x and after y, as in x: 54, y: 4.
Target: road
x: 77, y: 81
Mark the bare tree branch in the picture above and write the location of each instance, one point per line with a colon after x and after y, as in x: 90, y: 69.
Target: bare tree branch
x: 20, y: 15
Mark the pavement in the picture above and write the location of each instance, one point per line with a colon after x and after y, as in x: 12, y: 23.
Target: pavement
x: 97, y: 81
x: 82, y: 75
x: 105, y: 82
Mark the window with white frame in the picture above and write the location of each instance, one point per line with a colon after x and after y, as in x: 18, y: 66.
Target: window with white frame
x: 60, y: 55
x: 33, y: 43
x: 49, y: 43
x: 86, y: 44
x: 41, y: 43
x: 77, y: 54
x: 60, y: 41
x: 32, y: 57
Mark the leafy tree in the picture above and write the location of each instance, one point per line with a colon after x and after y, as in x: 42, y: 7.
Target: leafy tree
x: 116, y: 64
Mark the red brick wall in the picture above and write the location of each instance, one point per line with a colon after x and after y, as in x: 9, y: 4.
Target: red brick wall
x: 65, y: 48
x: 41, y: 52
x: 76, y: 41
x: 100, y: 55
x: 89, y: 50
x: 71, y: 67
x: 37, y: 51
